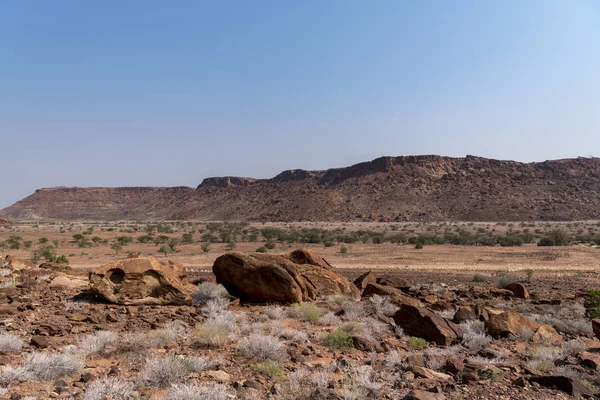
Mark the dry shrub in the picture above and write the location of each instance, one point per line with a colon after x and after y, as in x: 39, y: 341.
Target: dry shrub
x: 262, y: 347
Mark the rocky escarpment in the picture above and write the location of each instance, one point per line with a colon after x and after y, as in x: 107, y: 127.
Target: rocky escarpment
x: 406, y: 188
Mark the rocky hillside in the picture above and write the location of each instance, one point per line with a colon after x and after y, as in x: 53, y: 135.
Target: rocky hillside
x: 408, y: 188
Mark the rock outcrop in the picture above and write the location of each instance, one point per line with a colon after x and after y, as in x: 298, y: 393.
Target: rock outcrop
x: 291, y: 278
x: 136, y: 281
x: 519, y: 290
x: 509, y: 323
x: 363, y: 280
x: 405, y: 188
x: 426, y: 324
x: 17, y: 264
x: 395, y: 295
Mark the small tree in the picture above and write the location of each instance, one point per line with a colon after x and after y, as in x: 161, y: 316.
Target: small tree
x: 172, y: 243
x: 116, y: 246
x: 43, y: 240
x: 35, y: 256
x: 49, y: 253
x: 187, y: 238
x: 14, y: 242
x: 165, y: 249
x: 62, y: 259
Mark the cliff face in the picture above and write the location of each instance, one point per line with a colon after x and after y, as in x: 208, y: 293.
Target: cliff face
x: 411, y: 188
x: 99, y: 204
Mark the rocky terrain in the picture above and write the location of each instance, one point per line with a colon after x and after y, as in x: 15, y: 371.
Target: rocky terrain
x: 139, y: 328
x: 410, y: 188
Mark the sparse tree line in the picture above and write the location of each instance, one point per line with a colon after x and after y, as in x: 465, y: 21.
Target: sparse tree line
x: 168, y: 236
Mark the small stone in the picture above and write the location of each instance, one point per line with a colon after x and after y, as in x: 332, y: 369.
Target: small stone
x: 86, y: 377
x: 40, y: 342
x: 219, y: 376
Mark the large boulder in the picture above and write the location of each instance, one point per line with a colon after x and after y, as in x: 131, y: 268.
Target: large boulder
x: 396, y: 282
x: 291, y: 278
x: 424, y: 323
x: 136, y: 281
x: 396, y: 296
x: 362, y: 281
x: 596, y: 327
x: 519, y: 290
x: 509, y: 323
x: 568, y: 385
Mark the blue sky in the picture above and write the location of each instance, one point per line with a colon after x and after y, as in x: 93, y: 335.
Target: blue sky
x: 127, y: 93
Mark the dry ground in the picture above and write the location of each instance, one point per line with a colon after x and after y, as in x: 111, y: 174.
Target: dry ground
x: 62, y: 316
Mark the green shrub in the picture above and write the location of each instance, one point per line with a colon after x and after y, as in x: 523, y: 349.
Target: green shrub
x: 595, y: 313
x: 62, y: 259
x: 479, y: 278
x: 594, y: 296
x: 269, y: 368
x: 417, y: 343
x: 343, y: 249
x: 338, y: 340
x: 270, y: 245
x: 529, y: 272
x: 492, y: 374
x: 305, y: 311
x: 327, y: 242
x: 262, y: 249
x: 557, y: 237
x: 418, y: 245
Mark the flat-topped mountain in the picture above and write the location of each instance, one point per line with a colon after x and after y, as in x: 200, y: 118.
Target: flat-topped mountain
x: 407, y: 188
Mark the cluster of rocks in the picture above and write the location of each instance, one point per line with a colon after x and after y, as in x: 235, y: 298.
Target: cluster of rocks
x: 143, y: 293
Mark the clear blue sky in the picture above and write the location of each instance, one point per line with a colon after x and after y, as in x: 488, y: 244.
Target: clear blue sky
x: 125, y: 93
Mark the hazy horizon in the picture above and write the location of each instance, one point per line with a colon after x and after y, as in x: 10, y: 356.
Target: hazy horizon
x: 135, y: 94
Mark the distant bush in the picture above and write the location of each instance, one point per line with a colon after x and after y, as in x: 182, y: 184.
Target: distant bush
x: 343, y: 249
x: 504, y: 281
x: 262, y: 249
x: 187, y: 238
x: 557, y: 237
x: 479, y: 278
x: 418, y: 245
x: 62, y: 259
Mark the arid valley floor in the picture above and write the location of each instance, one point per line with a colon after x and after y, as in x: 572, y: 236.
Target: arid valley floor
x: 59, y: 340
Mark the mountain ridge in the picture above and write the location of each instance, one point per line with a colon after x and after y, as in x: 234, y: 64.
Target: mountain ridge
x: 402, y: 188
